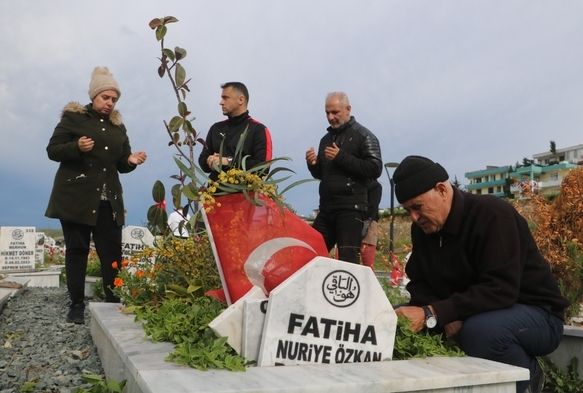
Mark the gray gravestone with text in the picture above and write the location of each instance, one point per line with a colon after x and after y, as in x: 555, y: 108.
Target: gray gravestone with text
x: 17, y: 248
x: 135, y: 239
x: 39, y: 255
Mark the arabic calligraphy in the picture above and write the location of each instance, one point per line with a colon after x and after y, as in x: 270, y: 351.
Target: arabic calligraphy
x: 340, y: 288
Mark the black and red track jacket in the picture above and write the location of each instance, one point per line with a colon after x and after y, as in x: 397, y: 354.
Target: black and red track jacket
x: 257, y: 145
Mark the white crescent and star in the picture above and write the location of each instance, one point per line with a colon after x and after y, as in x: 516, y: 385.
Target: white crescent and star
x: 258, y: 258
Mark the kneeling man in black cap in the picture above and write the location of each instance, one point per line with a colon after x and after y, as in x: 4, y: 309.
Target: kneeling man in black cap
x: 476, y: 273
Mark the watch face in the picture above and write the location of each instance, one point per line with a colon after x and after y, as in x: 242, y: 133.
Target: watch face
x: 431, y: 322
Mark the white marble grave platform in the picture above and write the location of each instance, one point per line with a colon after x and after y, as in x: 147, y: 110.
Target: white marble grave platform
x: 571, y: 346
x: 49, y: 278
x: 11, y: 286
x: 90, y: 286
x: 126, y: 354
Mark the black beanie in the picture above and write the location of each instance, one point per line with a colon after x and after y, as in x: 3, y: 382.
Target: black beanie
x: 416, y: 175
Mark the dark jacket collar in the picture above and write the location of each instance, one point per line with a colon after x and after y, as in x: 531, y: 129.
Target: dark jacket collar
x: 343, y: 127
x: 238, y: 119
x: 454, y: 219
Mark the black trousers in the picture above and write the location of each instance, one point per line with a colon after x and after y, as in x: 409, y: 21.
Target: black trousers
x: 342, y: 228
x: 107, y: 238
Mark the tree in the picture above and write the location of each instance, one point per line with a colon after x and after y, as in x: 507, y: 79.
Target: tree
x: 553, y: 150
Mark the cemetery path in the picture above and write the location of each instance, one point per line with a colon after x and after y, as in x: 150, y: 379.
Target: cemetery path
x: 39, y: 351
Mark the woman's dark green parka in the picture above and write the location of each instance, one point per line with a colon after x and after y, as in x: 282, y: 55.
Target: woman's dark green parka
x: 80, y: 179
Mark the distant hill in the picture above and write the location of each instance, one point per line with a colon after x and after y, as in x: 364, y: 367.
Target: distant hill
x: 54, y: 233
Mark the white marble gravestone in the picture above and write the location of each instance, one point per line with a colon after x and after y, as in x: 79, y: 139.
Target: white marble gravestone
x: 39, y: 252
x: 253, y: 317
x: 135, y: 239
x: 17, y: 248
x: 328, y: 312
x: 230, y: 322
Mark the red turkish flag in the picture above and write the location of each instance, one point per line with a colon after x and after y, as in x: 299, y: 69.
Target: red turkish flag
x: 258, y: 245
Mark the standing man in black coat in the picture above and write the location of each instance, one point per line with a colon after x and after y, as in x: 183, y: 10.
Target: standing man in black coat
x: 348, y: 159
x: 476, y: 273
x: 226, y: 134
x: 92, y: 147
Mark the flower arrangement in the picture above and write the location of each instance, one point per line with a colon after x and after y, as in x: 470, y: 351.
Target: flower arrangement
x: 171, y: 268
x: 164, y: 286
x: 250, y: 182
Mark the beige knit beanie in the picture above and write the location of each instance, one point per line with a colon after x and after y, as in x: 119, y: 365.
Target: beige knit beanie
x: 101, y: 80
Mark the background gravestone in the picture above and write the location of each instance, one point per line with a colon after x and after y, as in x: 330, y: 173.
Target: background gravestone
x: 135, y: 239
x: 39, y: 252
x: 328, y: 312
x: 17, y: 248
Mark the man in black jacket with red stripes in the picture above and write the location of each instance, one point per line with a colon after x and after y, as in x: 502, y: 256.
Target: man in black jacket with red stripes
x: 256, y: 146
x: 348, y: 159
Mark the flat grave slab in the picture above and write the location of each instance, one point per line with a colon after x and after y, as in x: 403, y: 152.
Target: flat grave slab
x: 127, y: 354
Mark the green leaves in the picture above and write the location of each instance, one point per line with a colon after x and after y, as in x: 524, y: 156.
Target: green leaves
x: 183, y: 109
x: 180, y: 53
x: 159, y: 25
x: 419, y: 345
x: 161, y: 32
x: 562, y: 381
x: 157, y: 216
x: 176, y: 192
x: 158, y: 191
x: 185, y: 322
x: 179, y: 75
x: 168, y: 53
x: 175, y: 123
x: 100, y: 384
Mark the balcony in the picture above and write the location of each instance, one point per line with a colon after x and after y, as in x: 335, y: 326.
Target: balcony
x: 486, y: 184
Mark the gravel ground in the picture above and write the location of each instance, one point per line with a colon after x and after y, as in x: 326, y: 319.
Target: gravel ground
x: 38, y: 347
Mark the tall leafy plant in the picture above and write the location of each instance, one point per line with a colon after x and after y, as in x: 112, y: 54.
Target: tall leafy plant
x: 182, y: 134
x: 254, y: 183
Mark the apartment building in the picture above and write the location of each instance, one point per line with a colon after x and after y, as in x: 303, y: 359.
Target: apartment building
x: 544, y: 179
x: 494, y: 180
x: 572, y: 154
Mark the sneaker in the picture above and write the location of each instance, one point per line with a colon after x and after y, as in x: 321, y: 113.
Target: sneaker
x: 76, y: 313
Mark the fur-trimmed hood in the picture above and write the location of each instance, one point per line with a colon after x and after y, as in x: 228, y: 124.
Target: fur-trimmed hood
x: 75, y: 107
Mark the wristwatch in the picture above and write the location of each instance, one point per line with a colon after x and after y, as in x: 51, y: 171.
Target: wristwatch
x: 430, y: 318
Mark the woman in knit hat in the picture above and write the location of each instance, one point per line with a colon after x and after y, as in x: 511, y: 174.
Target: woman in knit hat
x: 91, y: 144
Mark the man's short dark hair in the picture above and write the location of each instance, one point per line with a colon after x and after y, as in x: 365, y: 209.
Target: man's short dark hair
x: 240, y: 87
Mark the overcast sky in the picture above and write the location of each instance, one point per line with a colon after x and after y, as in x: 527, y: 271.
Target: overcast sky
x: 466, y: 83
